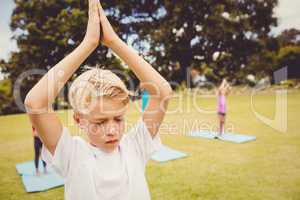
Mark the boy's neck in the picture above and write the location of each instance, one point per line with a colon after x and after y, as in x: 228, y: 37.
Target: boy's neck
x: 115, y: 150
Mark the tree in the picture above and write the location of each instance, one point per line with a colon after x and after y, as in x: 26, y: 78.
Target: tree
x: 289, y: 56
x: 289, y: 37
x: 220, y: 34
x: 264, y: 62
x: 289, y: 53
x: 277, y: 52
x: 45, y: 32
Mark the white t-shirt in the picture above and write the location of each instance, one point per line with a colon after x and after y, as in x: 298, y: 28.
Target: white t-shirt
x: 92, y: 174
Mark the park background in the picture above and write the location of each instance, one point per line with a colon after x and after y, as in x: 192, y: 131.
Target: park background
x: 245, y: 41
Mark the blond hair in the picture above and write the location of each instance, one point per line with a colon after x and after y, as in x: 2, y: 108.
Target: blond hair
x: 95, y: 83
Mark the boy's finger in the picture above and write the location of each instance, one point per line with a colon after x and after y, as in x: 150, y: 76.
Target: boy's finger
x: 98, y: 7
x: 93, y: 11
x: 101, y: 11
x: 93, y: 8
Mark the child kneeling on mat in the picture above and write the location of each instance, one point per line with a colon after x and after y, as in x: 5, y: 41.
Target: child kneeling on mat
x: 108, y: 165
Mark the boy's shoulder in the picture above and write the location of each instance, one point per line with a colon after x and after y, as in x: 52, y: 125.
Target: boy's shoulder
x: 80, y: 147
x: 77, y: 140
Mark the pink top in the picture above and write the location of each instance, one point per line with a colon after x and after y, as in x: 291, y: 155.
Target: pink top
x: 221, y: 104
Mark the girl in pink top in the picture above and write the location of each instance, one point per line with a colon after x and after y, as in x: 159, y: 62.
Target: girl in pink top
x: 222, y: 92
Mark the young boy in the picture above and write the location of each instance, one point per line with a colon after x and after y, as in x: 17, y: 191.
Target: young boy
x: 108, y: 165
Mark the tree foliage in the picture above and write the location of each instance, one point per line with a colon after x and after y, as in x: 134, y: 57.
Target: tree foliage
x: 220, y: 36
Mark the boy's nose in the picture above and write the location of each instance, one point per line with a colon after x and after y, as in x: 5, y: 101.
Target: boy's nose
x: 111, y: 130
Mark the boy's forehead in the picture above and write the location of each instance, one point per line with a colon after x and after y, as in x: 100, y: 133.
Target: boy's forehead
x: 105, y: 115
x: 107, y: 111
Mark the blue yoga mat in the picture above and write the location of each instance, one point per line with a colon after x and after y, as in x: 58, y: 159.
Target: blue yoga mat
x: 230, y: 137
x: 41, y: 183
x: 33, y: 183
x: 204, y: 134
x: 28, y: 168
x: 166, y: 154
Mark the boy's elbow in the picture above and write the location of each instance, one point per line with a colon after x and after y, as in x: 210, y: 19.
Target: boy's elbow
x: 31, y: 103
x: 27, y: 101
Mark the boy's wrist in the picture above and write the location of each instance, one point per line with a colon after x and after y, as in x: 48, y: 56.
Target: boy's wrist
x: 89, y: 44
x: 114, y: 43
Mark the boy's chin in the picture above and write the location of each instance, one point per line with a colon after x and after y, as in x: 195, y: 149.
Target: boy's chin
x: 110, y: 147
x: 107, y: 147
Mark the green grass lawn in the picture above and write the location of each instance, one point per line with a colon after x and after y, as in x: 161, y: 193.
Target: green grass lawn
x: 268, y: 168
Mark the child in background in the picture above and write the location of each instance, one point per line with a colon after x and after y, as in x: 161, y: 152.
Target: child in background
x: 222, y: 92
x: 109, y: 165
x: 198, y: 79
x: 37, y: 144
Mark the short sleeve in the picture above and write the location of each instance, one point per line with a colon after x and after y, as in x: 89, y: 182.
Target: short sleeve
x: 61, y: 159
x: 142, y: 142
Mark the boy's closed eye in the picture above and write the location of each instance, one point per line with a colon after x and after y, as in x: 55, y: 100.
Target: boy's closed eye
x: 119, y: 119
x: 103, y: 121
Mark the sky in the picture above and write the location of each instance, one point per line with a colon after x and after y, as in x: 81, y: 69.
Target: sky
x: 287, y: 12
x: 6, y: 45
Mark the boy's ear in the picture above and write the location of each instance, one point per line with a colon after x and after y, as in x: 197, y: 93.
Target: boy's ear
x: 79, y: 121
x: 76, y: 117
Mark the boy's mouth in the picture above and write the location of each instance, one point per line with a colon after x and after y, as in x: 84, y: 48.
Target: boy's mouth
x: 112, y: 141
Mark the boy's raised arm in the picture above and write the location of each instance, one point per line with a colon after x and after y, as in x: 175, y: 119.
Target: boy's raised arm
x: 158, y: 88
x: 38, y: 101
